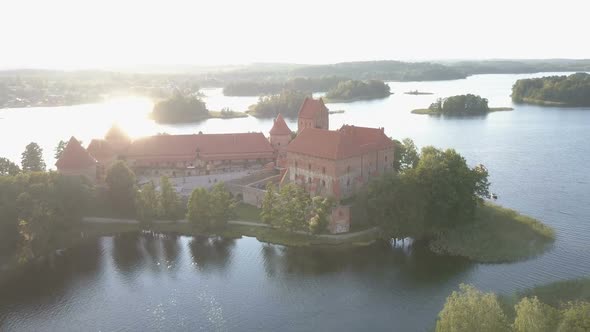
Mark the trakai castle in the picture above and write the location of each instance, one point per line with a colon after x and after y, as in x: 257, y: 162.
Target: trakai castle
x: 331, y: 163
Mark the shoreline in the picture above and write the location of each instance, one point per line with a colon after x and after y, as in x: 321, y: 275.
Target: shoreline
x: 351, y: 100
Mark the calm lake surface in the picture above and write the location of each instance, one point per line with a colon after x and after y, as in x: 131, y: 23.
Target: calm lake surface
x: 538, y: 159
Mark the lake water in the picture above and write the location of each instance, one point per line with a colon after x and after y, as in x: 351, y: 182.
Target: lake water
x: 538, y: 159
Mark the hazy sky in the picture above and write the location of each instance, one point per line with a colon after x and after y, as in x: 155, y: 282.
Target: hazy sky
x: 97, y: 33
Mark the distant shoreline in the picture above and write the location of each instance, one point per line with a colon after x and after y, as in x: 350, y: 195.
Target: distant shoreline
x: 350, y: 100
x: 211, y: 115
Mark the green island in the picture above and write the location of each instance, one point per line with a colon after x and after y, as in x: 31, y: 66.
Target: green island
x: 461, y: 105
x: 560, y: 306
x: 184, y: 109
x: 353, y: 90
x: 287, y: 102
x: 44, y: 212
x: 572, y: 90
x: 417, y: 93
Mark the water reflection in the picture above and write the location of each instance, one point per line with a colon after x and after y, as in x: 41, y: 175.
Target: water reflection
x: 211, y: 253
x: 412, y: 262
x: 127, y: 254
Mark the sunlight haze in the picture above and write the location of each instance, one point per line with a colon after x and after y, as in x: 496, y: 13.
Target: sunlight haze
x: 69, y: 34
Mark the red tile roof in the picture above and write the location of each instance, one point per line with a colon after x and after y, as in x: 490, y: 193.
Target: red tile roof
x: 346, y: 142
x: 100, y: 149
x: 280, y: 126
x: 311, y: 107
x: 74, y: 156
x: 207, y: 146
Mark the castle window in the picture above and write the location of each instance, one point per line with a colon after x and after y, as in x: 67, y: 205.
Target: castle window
x: 323, y: 170
x: 386, y: 158
x: 323, y: 183
x: 348, y: 169
x: 348, y: 183
x: 309, y: 166
x: 295, y: 164
x: 309, y: 180
x: 280, y: 145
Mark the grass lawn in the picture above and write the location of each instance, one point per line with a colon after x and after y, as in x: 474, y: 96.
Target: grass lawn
x: 247, y: 212
x: 497, y: 235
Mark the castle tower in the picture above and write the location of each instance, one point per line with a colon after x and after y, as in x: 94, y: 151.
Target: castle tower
x: 313, y: 114
x: 280, y: 136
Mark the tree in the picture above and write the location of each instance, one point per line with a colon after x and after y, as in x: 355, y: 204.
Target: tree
x: 222, y: 206
x: 576, y: 317
x: 471, y: 310
x: 147, y: 203
x: 292, y: 208
x: 395, y: 203
x: 121, y: 188
x: 406, y: 155
x: 59, y: 149
x: 321, y: 208
x: 269, y: 204
x: 170, y: 207
x: 7, y: 167
x: 534, y: 316
x: 32, y: 158
x: 199, y: 209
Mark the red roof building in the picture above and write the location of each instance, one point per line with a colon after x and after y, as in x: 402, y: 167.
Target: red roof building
x: 75, y: 160
x: 313, y: 114
x: 340, y: 161
x: 202, y: 152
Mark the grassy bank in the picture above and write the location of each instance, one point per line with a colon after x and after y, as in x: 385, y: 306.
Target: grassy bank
x: 497, y: 235
x: 428, y: 111
x: 247, y: 212
x: 542, y: 102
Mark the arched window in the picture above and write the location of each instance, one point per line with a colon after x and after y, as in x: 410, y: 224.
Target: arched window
x: 295, y: 164
x: 323, y: 183
x: 386, y: 158
x: 348, y: 183
x: 309, y: 167
x: 323, y: 170
x: 309, y: 180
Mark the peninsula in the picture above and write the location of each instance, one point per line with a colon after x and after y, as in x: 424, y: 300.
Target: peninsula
x: 573, y: 90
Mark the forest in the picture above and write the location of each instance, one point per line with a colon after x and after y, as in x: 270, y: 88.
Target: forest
x: 573, y: 90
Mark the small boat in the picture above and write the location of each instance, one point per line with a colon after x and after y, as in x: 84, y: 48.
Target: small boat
x: 494, y: 196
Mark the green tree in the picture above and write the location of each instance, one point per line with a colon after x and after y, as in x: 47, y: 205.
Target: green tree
x: 32, y: 158
x: 121, y: 188
x: 395, y: 203
x: 576, y: 317
x: 170, y: 206
x: 471, y: 310
x: 269, y: 205
x: 406, y: 155
x: 7, y: 167
x: 59, y: 149
x: 292, y: 208
x: 321, y: 208
x: 147, y: 203
x: 534, y: 316
x: 199, y: 208
x: 222, y: 206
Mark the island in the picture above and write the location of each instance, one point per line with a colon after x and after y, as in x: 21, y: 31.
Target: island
x: 417, y: 93
x: 461, y: 105
x: 287, y: 102
x: 188, y: 108
x: 572, y: 90
x: 353, y: 90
